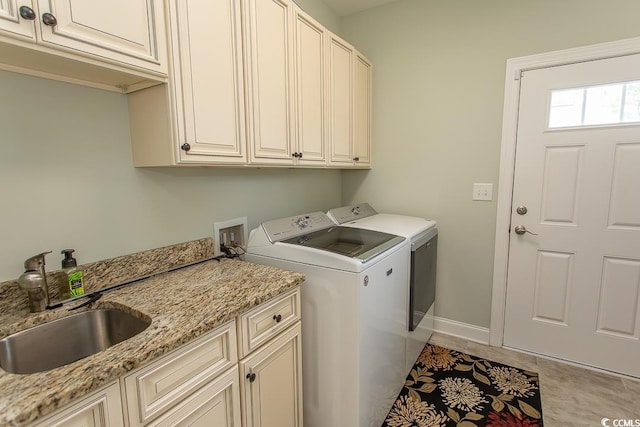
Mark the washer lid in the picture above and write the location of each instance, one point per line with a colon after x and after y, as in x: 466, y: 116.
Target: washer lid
x: 351, y: 242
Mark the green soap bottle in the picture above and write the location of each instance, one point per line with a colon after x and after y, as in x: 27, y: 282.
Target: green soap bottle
x: 75, y: 276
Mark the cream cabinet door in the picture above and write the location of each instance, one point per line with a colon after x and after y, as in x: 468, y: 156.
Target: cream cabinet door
x: 100, y: 409
x: 272, y: 383
x: 310, y: 74
x: 341, y: 101
x: 12, y: 24
x: 215, y: 405
x: 208, y: 80
x: 268, y: 41
x: 362, y: 119
x: 127, y: 32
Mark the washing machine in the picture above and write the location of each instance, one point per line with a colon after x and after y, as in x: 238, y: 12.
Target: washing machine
x: 423, y: 237
x: 353, y: 313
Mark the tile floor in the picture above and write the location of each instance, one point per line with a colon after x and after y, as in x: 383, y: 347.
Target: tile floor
x: 571, y: 396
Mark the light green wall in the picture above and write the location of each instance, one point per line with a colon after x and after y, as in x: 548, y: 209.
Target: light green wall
x: 67, y: 180
x: 322, y: 13
x: 438, y: 88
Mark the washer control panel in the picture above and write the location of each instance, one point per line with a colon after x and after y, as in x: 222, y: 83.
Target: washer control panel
x: 286, y: 228
x: 351, y: 213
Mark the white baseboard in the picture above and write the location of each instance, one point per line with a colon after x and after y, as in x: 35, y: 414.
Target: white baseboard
x: 461, y: 330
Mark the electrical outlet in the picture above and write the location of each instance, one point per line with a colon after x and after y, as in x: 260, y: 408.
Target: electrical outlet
x: 482, y: 191
x: 231, y: 233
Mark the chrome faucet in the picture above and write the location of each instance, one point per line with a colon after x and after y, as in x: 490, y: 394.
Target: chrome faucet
x: 34, y: 281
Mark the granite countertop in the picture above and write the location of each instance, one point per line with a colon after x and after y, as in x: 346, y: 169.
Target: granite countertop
x: 182, y: 305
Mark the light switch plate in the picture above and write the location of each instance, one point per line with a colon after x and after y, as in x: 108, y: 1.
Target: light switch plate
x: 482, y: 191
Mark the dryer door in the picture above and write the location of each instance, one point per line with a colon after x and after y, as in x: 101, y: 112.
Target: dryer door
x: 422, y: 288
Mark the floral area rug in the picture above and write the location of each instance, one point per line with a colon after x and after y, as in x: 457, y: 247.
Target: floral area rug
x: 449, y: 388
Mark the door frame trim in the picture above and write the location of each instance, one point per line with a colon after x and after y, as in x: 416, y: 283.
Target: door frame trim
x: 515, y: 67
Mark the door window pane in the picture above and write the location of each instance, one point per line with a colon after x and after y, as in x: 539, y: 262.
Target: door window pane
x: 608, y: 104
x: 603, y: 105
x: 632, y: 103
x: 566, y: 108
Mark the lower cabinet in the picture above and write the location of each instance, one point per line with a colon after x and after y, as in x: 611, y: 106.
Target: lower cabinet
x: 101, y: 408
x: 170, y: 389
x: 247, y: 372
x: 272, y: 383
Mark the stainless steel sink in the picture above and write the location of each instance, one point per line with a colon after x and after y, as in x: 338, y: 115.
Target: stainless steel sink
x: 66, y: 340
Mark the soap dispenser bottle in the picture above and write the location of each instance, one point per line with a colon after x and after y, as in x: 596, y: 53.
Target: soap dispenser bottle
x: 74, y: 284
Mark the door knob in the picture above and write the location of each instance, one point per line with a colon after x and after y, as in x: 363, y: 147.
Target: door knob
x: 521, y: 229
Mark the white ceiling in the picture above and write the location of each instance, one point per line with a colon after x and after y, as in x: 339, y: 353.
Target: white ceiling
x: 348, y: 7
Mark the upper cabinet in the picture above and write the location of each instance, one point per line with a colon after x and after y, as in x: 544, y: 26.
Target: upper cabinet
x: 115, y: 45
x: 16, y: 19
x: 362, y: 112
x: 254, y: 83
x: 285, y: 69
x: 269, y: 60
x: 349, y: 105
x: 199, y: 117
x: 341, y: 101
x: 310, y: 83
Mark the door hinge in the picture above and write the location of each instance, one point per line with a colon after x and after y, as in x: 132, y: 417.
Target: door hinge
x: 518, y: 74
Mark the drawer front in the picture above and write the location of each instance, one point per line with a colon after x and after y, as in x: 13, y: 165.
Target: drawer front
x: 216, y: 404
x: 268, y: 320
x: 153, y: 389
x: 100, y: 409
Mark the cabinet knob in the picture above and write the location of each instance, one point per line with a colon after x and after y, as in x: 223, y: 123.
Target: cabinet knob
x: 356, y: 159
x: 186, y: 146
x: 49, y: 19
x: 27, y: 13
x: 251, y: 377
x: 277, y: 318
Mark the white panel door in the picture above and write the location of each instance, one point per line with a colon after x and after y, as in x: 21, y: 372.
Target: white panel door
x: 12, y: 23
x: 208, y: 80
x: 126, y: 31
x: 574, y: 286
x: 268, y: 40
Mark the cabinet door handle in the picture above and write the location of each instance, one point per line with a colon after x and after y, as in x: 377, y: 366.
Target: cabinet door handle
x: 277, y: 318
x: 251, y: 377
x: 356, y: 159
x: 49, y: 19
x: 27, y: 13
x: 186, y: 146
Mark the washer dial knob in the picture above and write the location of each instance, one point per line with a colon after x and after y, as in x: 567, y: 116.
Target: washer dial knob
x: 302, y: 222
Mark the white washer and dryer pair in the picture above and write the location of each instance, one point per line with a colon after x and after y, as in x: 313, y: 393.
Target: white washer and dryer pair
x: 354, y: 305
x: 423, y: 237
